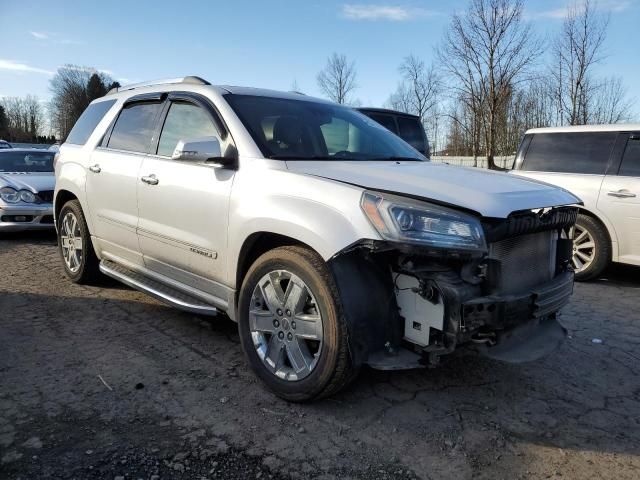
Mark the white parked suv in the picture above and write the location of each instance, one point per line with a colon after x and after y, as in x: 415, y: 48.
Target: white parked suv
x: 601, y: 165
x: 331, y: 241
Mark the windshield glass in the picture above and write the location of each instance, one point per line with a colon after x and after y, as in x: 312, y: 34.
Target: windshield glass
x: 21, y: 161
x: 306, y: 130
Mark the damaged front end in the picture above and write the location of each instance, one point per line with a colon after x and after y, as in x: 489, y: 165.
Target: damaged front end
x: 498, y: 297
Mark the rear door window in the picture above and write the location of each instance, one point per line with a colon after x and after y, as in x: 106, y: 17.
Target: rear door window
x: 88, y: 121
x: 134, y: 128
x: 630, y: 166
x: 586, y: 152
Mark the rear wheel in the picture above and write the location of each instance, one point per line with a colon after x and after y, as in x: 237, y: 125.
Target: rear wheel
x: 292, y: 328
x: 591, y: 248
x: 74, y: 242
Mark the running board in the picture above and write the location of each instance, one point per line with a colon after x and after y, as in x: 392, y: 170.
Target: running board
x: 156, y: 289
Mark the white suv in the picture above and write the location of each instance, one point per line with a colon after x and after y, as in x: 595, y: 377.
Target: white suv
x: 330, y: 241
x: 600, y: 164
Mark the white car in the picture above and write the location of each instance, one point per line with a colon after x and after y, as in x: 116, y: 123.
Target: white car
x: 601, y: 165
x: 331, y: 241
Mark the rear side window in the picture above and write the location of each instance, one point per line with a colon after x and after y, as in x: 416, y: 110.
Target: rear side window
x: 411, y: 131
x: 586, y: 152
x: 630, y: 166
x: 386, y: 121
x: 134, y: 128
x: 88, y: 121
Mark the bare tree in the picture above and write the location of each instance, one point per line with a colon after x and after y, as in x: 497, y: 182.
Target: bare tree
x: 610, y: 103
x: 338, y: 78
x: 577, y: 49
x: 24, y: 117
x: 73, y: 88
x: 487, y: 49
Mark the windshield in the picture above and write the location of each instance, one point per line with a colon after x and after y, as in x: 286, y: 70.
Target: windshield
x: 306, y: 130
x: 21, y: 161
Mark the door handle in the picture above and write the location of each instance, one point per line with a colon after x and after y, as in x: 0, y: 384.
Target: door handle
x: 150, y: 180
x: 95, y: 168
x: 621, y: 194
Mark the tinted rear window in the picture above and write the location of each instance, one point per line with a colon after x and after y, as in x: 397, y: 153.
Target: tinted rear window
x: 411, y: 131
x: 386, y: 121
x: 631, y: 159
x: 586, y: 152
x: 134, y: 128
x: 88, y: 121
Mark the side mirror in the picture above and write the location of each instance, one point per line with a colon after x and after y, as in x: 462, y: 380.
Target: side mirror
x: 204, y: 150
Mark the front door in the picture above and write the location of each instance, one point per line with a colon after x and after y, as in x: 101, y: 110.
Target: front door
x: 620, y: 200
x: 183, y: 205
x: 112, y: 180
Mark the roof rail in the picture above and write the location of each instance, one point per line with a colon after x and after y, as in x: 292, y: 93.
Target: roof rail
x: 190, y: 79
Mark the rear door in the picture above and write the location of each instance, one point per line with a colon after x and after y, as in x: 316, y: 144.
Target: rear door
x: 620, y: 199
x: 183, y: 212
x: 112, y: 178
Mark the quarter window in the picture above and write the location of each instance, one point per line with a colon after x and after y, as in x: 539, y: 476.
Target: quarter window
x: 631, y: 159
x: 386, y: 121
x: 412, y: 132
x: 586, y: 152
x: 134, y: 128
x: 184, y: 121
x: 88, y: 121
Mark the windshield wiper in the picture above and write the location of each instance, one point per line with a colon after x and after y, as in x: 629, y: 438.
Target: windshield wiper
x: 399, y: 159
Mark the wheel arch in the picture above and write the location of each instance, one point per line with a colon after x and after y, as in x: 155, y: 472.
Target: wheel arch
x: 608, y: 228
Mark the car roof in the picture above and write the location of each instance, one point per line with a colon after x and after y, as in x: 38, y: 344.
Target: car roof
x: 387, y: 111
x: 615, y: 127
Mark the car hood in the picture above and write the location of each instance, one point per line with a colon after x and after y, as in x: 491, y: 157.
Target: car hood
x: 35, y: 182
x: 489, y: 193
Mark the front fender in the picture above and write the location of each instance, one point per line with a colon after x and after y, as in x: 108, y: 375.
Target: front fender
x: 71, y: 177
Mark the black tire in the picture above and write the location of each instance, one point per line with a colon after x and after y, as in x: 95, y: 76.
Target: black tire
x: 87, y: 271
x: 601, y: 250
x: 334, y: 368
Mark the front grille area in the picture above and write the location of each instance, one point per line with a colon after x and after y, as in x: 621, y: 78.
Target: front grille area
x: 521, y: 262
x: 46, y: 196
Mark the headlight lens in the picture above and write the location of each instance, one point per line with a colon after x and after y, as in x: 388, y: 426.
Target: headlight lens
x: 9, y: 195
x: 406, y: 220
x: 27, y: 196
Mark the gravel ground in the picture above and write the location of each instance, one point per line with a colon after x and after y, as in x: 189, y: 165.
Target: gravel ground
x: 105, y: 382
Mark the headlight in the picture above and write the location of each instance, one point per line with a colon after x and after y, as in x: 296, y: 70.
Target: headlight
x: 402, y: 219
x: 9, y: 195
x: 27, y: 196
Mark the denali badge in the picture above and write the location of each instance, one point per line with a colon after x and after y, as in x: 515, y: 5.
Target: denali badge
x: 204, y: 253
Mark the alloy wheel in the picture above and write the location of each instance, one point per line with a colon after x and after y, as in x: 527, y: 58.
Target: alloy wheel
x: 584, y: 249
x: 71, y: 242
x: 286, y: 325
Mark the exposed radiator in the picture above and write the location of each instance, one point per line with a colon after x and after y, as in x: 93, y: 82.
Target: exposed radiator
x: 523, y: 262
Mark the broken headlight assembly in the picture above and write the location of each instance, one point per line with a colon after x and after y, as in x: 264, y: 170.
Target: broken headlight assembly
x: 401, y: 219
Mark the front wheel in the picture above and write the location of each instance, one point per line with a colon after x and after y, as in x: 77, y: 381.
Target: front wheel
x: 591, y: 248
x: 292, y: 328
x: 74, y: 242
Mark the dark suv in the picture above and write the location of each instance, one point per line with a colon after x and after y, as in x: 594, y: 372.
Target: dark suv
x: 406, y: 126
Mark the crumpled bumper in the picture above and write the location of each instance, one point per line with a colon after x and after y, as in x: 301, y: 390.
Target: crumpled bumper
x: 16, y: 218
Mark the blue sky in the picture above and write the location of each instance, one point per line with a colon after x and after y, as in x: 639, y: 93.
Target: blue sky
x: 257, y: 43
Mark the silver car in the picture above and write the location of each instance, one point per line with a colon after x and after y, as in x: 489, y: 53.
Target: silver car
x: 26, y: 189
x: 331, y: 241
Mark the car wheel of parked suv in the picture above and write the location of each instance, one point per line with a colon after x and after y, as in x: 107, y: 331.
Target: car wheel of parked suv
x: 292, y: 328
x: 591, y: 248
x: 74, y: 241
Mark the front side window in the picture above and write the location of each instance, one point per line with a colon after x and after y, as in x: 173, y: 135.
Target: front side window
x: 307, y: 130
x: 134, y: 128
x: 21, y: 161
x: 88, y: 121
x: 584, y: 152
x: 184, y: 121
x: 630, y: 166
